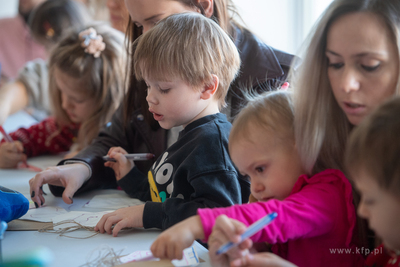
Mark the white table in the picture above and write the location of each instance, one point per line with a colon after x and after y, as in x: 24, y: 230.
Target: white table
x: 69, y: 251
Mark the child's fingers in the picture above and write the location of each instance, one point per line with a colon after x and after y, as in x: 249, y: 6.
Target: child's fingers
x: 161, y: 250
x: 18, y: 146
x: 100, y: 225
x: 170, y: 251
x: 16, y: 156
x: 246, y: 244
x: 119, y: 226
x: 243, y: 261
x: 116, y: 149
x: 261, y: 260
x: 110, y: 151
x: 14, y: 147
x: 229, y: 227
x: 109, y: 164
x: 10, y: 159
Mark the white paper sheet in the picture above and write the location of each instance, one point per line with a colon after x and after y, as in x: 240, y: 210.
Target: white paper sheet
x: 190, y: 257
x: 112, y: 202
x: 43, y: 214
x: 85, y: 218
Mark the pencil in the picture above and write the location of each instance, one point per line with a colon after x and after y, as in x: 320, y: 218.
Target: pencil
x: 5, y: 135
x: 254, y: 228
x: 136, y: 156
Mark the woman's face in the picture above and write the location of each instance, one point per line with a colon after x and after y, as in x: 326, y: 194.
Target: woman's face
x: 363, y: 65
x: 119, y: 15
x: 146, y: 13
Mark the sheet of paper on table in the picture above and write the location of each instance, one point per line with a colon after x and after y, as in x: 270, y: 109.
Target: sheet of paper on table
x: 43, y: 214
x: 112, y: 202
x: 190, y: 257
x: 85, y: 218
x: 57, y: 214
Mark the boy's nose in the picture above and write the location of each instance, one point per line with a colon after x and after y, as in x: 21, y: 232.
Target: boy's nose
x: 150, y: 98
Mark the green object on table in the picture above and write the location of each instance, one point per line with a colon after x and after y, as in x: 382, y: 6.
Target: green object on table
x: 39, y: 257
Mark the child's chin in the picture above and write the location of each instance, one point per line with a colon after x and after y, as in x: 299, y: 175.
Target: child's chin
x: 75, y: 120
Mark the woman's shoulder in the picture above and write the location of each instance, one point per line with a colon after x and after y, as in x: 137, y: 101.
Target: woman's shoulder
x: 260, y: 59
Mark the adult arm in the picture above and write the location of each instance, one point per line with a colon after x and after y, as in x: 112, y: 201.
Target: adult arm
x: 136, y: 137
x: 111, y: 135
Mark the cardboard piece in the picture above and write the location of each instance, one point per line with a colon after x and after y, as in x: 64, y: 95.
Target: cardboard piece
x: 24, y: 225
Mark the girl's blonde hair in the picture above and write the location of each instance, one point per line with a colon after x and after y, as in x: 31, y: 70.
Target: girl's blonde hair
x: 103, y: 78
x: 270, y: 111
x: 190, y: 47
x: 321, y: 127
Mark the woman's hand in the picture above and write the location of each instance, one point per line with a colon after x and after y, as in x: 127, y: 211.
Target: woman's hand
x: 171, y: 243
x: 11, y: 154
x: 71, y: 176
x: 123, y: 165
x: 121, y: 218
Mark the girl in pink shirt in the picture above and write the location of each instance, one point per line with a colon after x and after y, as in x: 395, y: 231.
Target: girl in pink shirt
x: 316, y: 215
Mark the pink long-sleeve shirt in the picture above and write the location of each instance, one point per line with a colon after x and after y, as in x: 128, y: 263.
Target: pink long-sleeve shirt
x: 315, y: 223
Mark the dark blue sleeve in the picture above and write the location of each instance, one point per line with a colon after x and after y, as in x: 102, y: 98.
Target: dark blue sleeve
x: 136, y: 185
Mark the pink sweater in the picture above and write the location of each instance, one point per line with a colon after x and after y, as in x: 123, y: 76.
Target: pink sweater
x: 316, y: 220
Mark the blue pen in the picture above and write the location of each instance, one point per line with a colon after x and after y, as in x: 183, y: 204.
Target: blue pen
x: 254, y: 228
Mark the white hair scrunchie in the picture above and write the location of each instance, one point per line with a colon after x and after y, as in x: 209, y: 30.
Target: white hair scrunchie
x: 92, y: 42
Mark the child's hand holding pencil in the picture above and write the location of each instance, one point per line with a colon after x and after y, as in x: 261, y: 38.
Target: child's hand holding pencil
x: 122, y: 162
x: 12, y: 154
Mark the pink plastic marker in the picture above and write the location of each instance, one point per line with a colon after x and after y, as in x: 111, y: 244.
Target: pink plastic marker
x: 23, y: 164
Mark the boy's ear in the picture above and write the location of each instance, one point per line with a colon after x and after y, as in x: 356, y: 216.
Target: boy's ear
x: 208, y: 7
x: 209, y: 90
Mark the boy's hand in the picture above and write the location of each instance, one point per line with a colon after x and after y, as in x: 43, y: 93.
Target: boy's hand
x: 11, y: 154
x: 171, y: 243
x: 121, y: 218
x: 227, y: 230
x: 265, y: 259
x: 123, y: 165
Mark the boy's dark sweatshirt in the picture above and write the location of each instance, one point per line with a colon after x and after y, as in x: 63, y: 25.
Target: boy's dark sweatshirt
x: 195, y: 172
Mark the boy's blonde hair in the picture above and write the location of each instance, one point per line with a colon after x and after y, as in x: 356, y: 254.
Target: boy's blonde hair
x: 374, y: 147
x: 270, y: 111
x: 103, y: 78
x: 190, y: 47
x: 321, y: 126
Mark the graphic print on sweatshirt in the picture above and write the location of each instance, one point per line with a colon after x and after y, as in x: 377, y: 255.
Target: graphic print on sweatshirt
x: 160, y: 179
